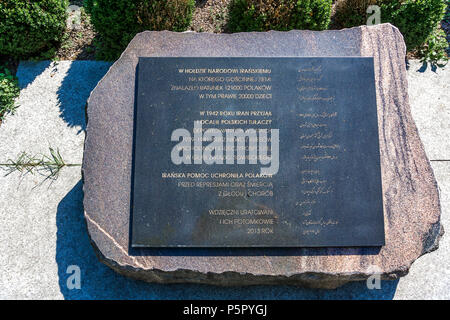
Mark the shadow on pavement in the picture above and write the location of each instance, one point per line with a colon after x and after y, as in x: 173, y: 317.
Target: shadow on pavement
x: 100, y: 282
x: 81, y: 79
x: 30, y: 70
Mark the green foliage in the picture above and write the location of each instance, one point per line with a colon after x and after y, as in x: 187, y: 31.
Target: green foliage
x: 118, y: 21
x: 283, y: 15
x: 9, y: 91
x: 351, y: 13
x: 87, y: 5
x: 434, y: 49
x: 30, y: 27
x: 416, y: 19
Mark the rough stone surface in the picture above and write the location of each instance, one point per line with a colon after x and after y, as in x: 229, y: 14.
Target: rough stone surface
x: 429, y: 96
x: 410, y: 194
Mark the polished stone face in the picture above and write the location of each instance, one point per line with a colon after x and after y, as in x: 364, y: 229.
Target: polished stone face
x: 256, y: 152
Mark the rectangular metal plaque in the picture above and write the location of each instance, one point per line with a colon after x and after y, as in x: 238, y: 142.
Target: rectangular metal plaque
x: 256, y: 152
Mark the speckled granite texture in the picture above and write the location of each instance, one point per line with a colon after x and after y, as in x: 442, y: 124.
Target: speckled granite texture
x: 410, y: 194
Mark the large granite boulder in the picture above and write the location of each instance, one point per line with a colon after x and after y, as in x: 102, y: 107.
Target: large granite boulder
x: 410, y: 193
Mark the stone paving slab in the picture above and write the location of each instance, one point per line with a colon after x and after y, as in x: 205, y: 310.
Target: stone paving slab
x: 42, y: 229
x: 429, y: 96
x: 50, y: 113
x: 429, y: 276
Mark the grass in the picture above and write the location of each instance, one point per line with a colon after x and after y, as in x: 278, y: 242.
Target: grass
x: 47, y: 165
